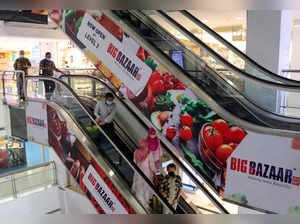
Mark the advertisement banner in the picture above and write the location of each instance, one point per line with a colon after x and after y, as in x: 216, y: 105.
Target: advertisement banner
x: 36, y: 120
x: 80, y: 163
x: 130, y: 69
x: 198, y: 133
x: 264, y: 172
x: 102, y: 193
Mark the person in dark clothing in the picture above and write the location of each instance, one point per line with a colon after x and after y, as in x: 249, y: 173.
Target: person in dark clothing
x: 47, y: 68
x: 22, y: 64
x: 171, y: 187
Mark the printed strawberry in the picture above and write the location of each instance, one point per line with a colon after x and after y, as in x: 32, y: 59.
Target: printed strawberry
x: 176, y: 81
x: 185, y: 133
x: 171, y: 132
x: 186, y: 120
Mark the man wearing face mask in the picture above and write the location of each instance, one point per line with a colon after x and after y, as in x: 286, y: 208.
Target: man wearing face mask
x: 105, y: 111
x: 171, y: 187
x: 22, y: 64
x: 47, y: 68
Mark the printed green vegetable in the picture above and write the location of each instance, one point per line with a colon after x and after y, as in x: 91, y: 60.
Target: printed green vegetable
x: 77, y: 25
x: 149, y: 61
x: 197, y: 163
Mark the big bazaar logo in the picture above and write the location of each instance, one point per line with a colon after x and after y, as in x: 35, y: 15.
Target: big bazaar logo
x: 264, y: 170
x: 124, y: 61
x: 101, y: 192
x: 36, y: 122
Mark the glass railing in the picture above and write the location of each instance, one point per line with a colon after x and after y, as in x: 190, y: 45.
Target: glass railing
x: 27, y: 181
x: 100, y: 144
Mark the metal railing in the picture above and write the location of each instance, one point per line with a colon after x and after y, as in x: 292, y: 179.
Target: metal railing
x: 17, y: 184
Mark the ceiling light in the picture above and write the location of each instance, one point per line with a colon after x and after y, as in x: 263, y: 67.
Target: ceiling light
x: 239, y: 18
x: 205, y: 20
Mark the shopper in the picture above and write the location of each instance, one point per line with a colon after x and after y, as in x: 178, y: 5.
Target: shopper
x: 171, y: 187
x: 155, y: 149
x: 105, y: 111
x: 22, y: 64
x: 47, y: 68
x: 144, y: 161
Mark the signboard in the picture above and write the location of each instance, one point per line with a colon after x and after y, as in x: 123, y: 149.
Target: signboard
x: 264, y: 172
x: 36, y: 120
x: 102, y: 194
x: 125, y: 64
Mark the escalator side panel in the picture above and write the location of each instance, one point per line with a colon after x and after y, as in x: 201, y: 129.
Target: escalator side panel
x: 72, y: 150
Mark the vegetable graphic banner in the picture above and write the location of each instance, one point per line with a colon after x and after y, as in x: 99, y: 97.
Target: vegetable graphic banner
x: 80, y: 163
x: 265, y: 173
x: 201, y: 137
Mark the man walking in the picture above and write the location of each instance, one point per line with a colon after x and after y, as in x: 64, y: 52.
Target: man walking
x: 22, y: 64
x: 47, y: 68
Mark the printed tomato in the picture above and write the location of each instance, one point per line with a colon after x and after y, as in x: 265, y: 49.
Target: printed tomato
x: 221, y: 126
x: 186, y: 120
x: 155, y: 76
x: 233, y: 145
x: 236, y: 134
x: 171, y: 132
x: 223, y: 152
x: 206, y: 129
x: 158, y: 87
x: 185, y: 133
x: 169, y: 85
x: 213, y: 139
x: 180, y: 86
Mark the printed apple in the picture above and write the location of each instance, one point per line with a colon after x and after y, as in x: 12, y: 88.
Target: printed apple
x: 236, y: 134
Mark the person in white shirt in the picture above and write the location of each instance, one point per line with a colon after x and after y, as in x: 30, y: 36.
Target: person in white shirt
x: 105, y: 111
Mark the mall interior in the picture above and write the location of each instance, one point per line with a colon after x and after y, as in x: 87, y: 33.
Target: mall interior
x: 192, y: 90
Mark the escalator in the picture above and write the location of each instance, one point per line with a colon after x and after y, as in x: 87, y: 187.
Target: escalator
x: 196, y: 71
x: 255, y: 70
x: 70, y: 120
x: 222, y: 92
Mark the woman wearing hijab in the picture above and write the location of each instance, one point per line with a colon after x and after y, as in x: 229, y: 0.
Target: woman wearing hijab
x: 144, y: 161
x: 154, y: 148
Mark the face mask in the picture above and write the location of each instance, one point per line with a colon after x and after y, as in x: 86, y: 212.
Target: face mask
x: 21, y: 56
x: 109, y: 102
x: 171, y: 174
x: 48, y: 59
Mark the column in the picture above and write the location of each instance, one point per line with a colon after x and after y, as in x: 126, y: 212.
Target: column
x: 268, y: 43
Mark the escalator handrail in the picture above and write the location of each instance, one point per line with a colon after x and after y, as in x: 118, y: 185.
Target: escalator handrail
x: 164, y: 142
x: 131, y: 164
x: 229, y: 66
x: 237, y: 51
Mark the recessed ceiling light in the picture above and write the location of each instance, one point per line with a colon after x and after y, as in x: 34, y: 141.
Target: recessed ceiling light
x: 204, y: 20
x: 239, y: 18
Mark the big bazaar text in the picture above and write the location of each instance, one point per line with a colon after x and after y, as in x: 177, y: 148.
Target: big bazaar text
x: 264, y: 170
